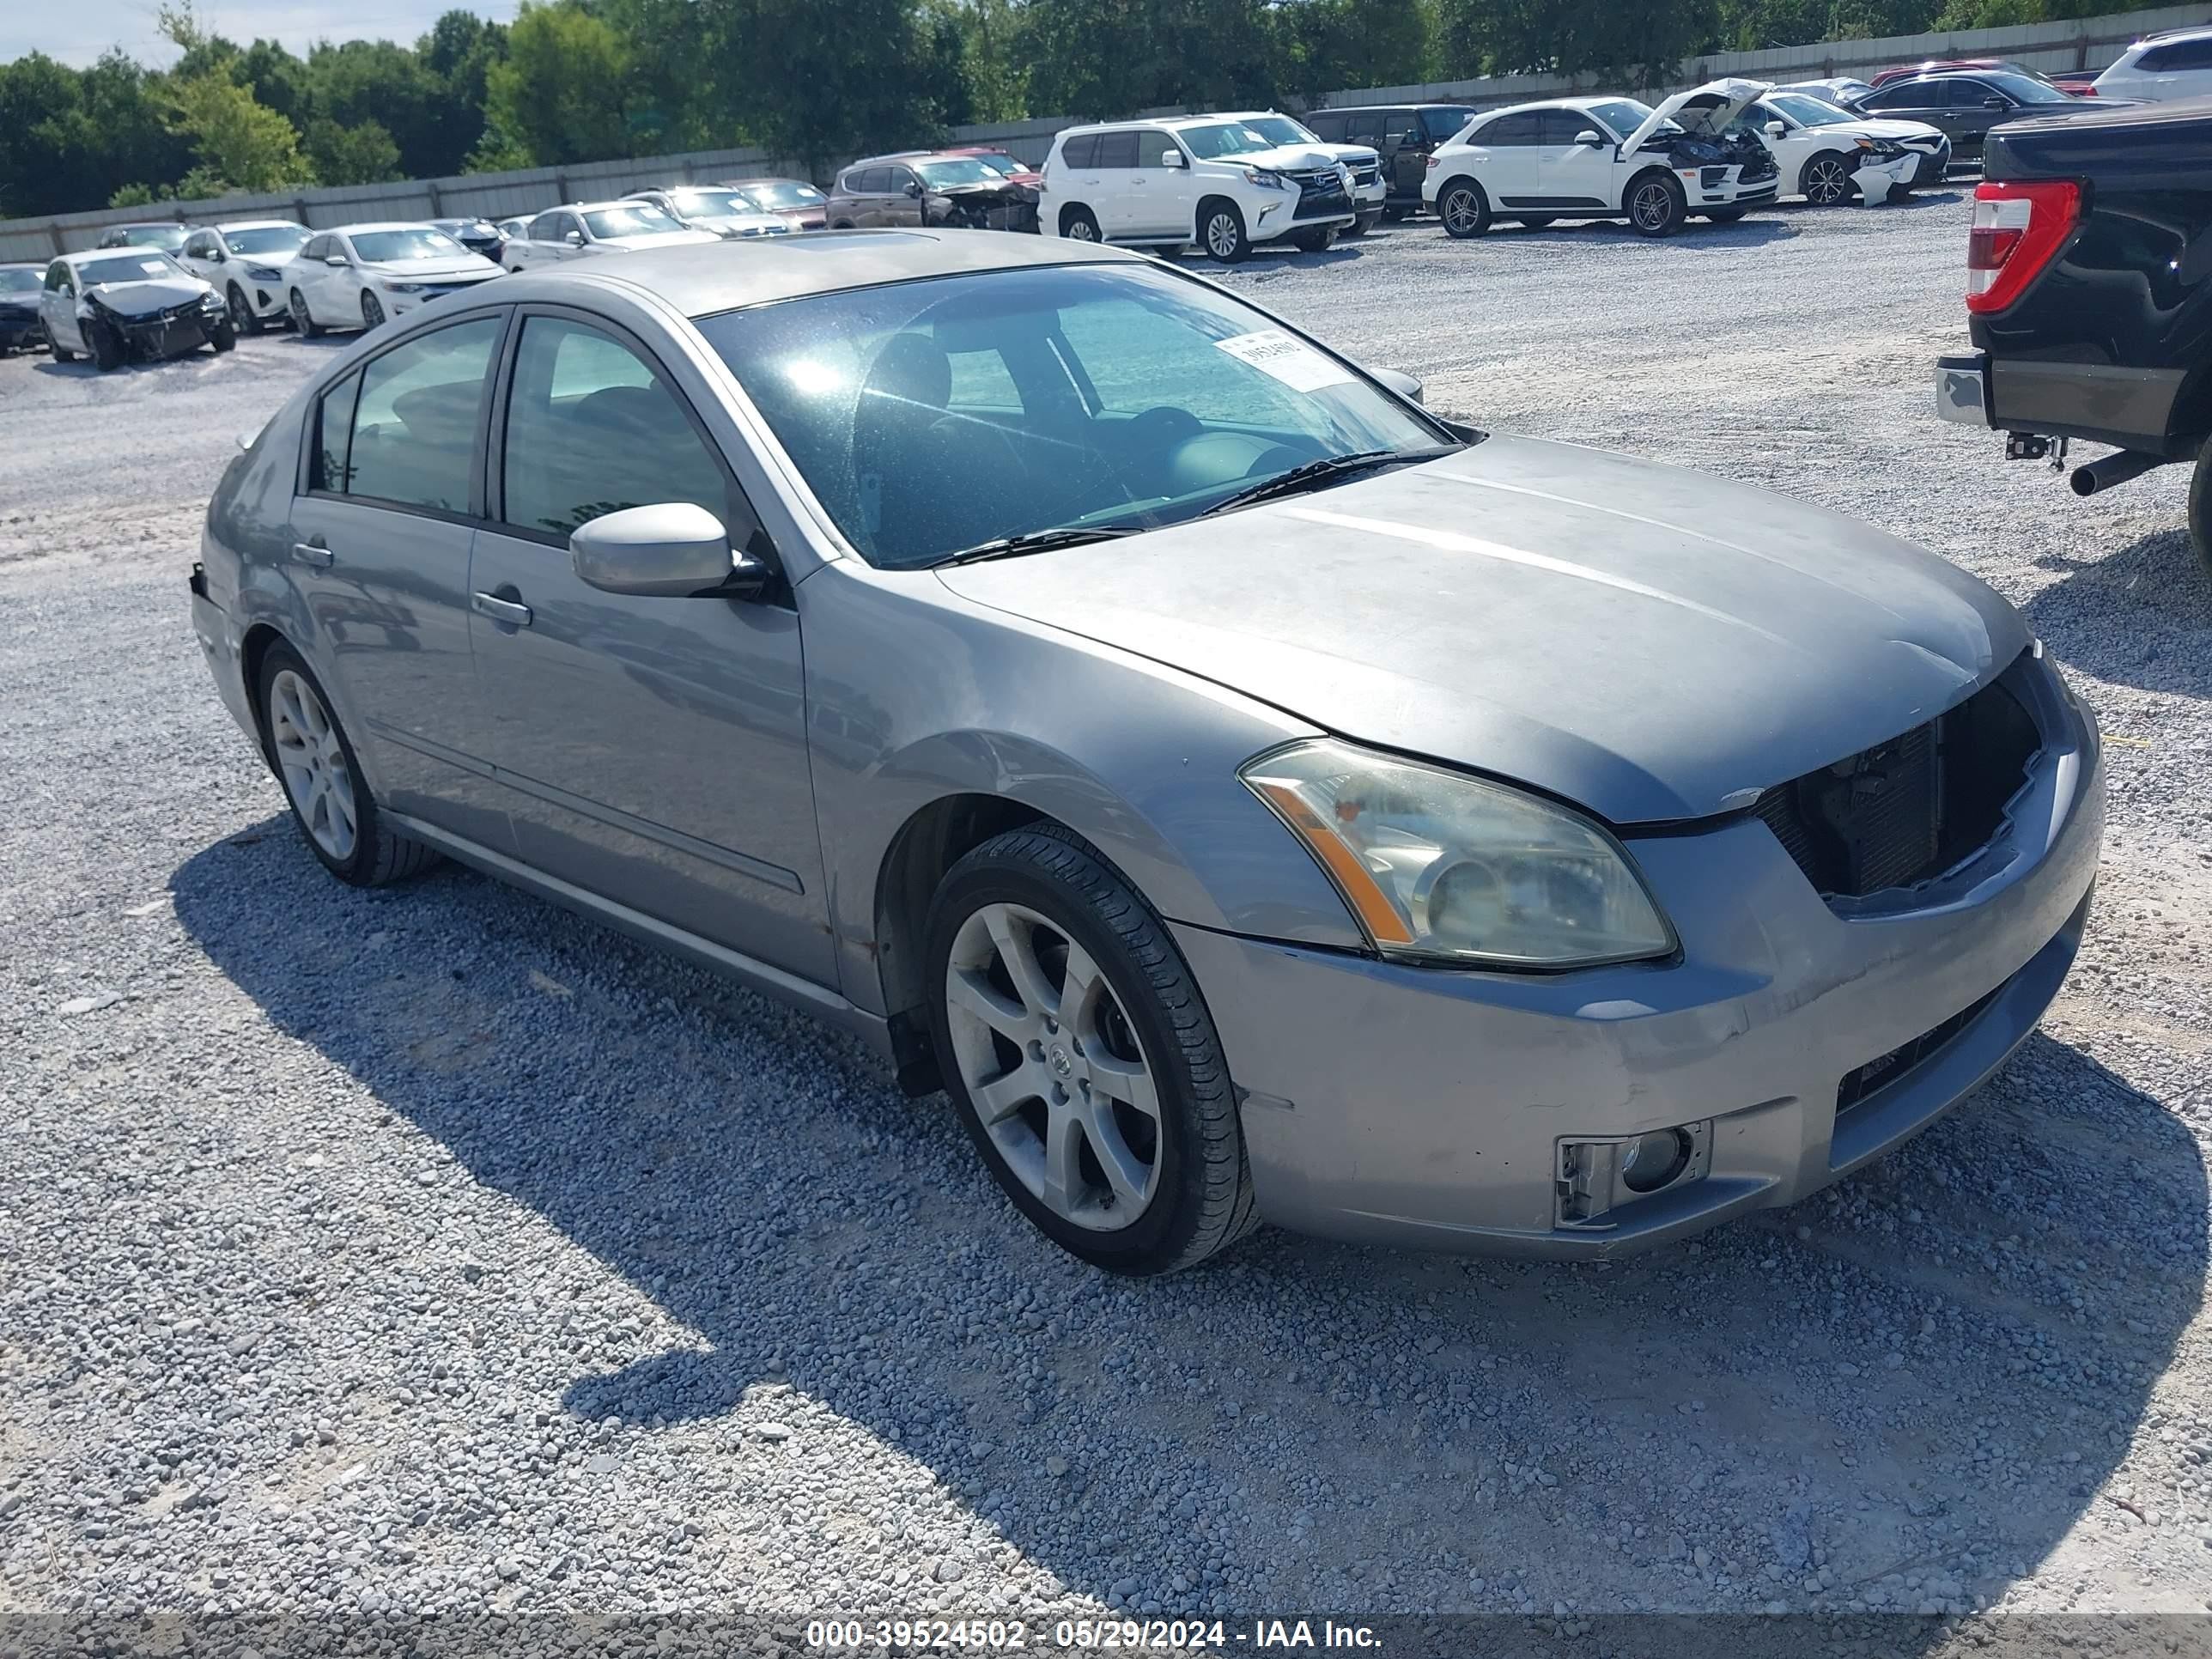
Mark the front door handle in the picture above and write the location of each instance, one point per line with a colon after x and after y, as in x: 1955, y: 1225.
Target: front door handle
x: 513, y: 612
x: 313, y: 553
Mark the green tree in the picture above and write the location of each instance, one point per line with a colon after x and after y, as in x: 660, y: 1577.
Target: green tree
x: 360, y: 155
x: 559, y: 94
x: 1334, y: 44
x: 820, y: 83
x: 127, y: 196
x: 239, y: 144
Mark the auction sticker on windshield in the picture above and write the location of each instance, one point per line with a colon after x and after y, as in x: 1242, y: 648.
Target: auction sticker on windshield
x: 1289, y: 360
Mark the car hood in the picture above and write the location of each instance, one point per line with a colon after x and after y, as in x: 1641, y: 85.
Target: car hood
x: 665, y: 239
x: 143, y: 299
x: 1293, y: 158
x: 434, y: 270
x: 1654, y: 643
x: 738, y: 223
x: 1702, y: 112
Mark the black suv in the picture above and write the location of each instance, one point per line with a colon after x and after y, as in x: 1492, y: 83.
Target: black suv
x: 1403, y: 134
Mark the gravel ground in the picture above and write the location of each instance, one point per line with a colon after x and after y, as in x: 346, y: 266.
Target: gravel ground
x: 434, y: 1249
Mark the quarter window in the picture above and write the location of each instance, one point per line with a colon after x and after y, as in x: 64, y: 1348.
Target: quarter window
x: 1081, y: 152
x: 415, y: 425
x: 590, y: 428
x: 326, y: 460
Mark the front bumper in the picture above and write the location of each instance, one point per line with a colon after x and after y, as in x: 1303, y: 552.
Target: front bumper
x: 1402, y: 1104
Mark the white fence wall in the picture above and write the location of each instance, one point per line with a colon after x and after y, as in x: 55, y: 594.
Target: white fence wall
x: 2083, y: 43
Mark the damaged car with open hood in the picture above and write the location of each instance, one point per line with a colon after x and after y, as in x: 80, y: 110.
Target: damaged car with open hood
x: 113, y: 305
x: 1606, y: 158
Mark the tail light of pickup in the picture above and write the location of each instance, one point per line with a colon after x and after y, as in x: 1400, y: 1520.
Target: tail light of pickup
x: 2018, y: 224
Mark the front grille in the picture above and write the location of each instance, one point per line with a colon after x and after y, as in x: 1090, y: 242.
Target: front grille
x: 1365, y: 172
x: 1900, y: 1062
x: 1906, y: 810
x: 1321, y: 192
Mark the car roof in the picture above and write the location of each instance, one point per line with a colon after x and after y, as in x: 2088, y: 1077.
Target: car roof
x: 702, y: 280
x: 84, y: 253
x: 379, y: 224
x: 253, y: 224
x: 1369, y: 109
x: 593, y: 207
x: 2189, y: 32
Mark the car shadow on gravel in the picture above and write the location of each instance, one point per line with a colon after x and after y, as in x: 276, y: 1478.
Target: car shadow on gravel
x: 1903, y: 1392
x: 2142, y: 616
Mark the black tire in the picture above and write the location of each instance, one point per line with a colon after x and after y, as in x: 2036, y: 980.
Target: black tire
x: 61, y: 353
x: 1221, y: 231
x: 244, y: 319
x: 1395, y: 215
x: 1203, y: 1202
x: 107, y: 351
x: 1825, y: 180
x: 1463, y: 209
x: 1726, y: 215
x: 1656, y: 204
x: 1080, y: 224
x: 1319, y: 240
x: 381, y: 856
x: 302, y: 319
x: 222, y: 336
x: 2200, y: 508
x: 1541, y: 221
x: 371, y: 312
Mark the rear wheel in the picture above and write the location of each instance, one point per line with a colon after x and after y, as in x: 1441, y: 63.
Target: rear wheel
x: 2200, y: 507
x: 1221, y: 232
x: 1078, y: 224
x: 243, y: 318
x: 1826, y: 181
x: 1656, y: 206
x: 313, y: 759
x: 302, y: 319
x: 1081, y: 1058
x: 1463, y: 207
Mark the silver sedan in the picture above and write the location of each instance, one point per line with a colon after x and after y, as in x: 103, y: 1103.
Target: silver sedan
x: 1247, y: 795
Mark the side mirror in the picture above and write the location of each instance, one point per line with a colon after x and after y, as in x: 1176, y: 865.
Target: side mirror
x: 216, y: 256
x: 1591, y: 136
x: 913, y: 187
x: 1995, y: 103
x: 1170, y: 158
x: 674, y: 549
x: 1776, y: 130
x: 573, y: 237
x: 1400, y: 382
x: 337, y: 260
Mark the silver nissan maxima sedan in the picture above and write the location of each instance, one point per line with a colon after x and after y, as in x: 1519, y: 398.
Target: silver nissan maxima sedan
x: 1247, y: 795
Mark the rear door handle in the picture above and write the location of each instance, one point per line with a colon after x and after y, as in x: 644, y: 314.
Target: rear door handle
x: 313, y: 553
x: 510, y: 611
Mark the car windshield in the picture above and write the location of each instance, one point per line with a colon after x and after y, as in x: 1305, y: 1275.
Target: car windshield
x: 709, y: 204
x: 168, y: 237
x: 783, y: 193
x: 1280, y: 130
x: 255, y: 239
x: 1807, y: 112
x: 1625, y: 115
x: 20, y: 279
x: 1210, y: 143
x: 142, y: 266
x: 934, y: 416
x: 959, y: 170
x: 2026, y: 89
x: 638, y: 219
x: 389, y: 247
x: 1005, y: 166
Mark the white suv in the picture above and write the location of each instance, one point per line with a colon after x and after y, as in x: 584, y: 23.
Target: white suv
x: 2174, y: 63
x: 1196, y: 178
x: 1368, y: 188
x: 1605, y: 158
x: 244, y: 261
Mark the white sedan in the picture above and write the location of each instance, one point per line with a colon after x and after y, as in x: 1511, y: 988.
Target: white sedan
x: 358, y: 276
x: 585, y: 229
x: 1829, y: 155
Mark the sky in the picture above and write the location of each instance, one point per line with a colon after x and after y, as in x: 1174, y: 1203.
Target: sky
x: 78, y: 31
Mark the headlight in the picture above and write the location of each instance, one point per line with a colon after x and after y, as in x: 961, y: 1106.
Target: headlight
x: 402, y: 288
x: 1262, y: 177
x: 1440, y: 866
x: 263, y: 273
x: 212, y: 300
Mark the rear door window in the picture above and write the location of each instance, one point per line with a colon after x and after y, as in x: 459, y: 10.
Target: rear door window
x: 415, y: 424
x: 1524, y: 128
x: 1117, y: 149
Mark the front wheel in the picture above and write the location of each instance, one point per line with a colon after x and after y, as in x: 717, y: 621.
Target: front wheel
x: 106, y: 345
x: 1826, y: 181
x: 1463, y: 207
x: 371, y: 312
x: 313, y: 758
x: 1080, y: 1056
x: 1726, y: 215
x: 222, y: 337
x: 302, y: 319
x: 2200, y: 507
x: 1221, y: 233
x: 1315, y: 241
x: 243, y: 318
x: 1656, y: 206
x: 61, y: 354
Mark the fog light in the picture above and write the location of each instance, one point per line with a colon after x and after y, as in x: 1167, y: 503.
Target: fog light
x: 1656, y: 1160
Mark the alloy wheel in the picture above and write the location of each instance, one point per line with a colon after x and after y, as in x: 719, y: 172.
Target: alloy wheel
x: 1652, y: 206
x: 372, y: 310
x: 314, y: 765
x: 1459, y: 215
x: 1052, y: 1063
x: 300, y: 320
x: 242, y: 314
x: 1222, y: 235
x: 1082, y: 230
x: 1826, y: 182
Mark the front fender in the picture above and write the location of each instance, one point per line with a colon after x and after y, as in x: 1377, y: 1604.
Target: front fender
x: 915, y: 695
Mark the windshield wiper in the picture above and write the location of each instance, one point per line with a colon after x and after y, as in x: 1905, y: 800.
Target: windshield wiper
x: 1314, y: 474
x: 1035, y: 541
